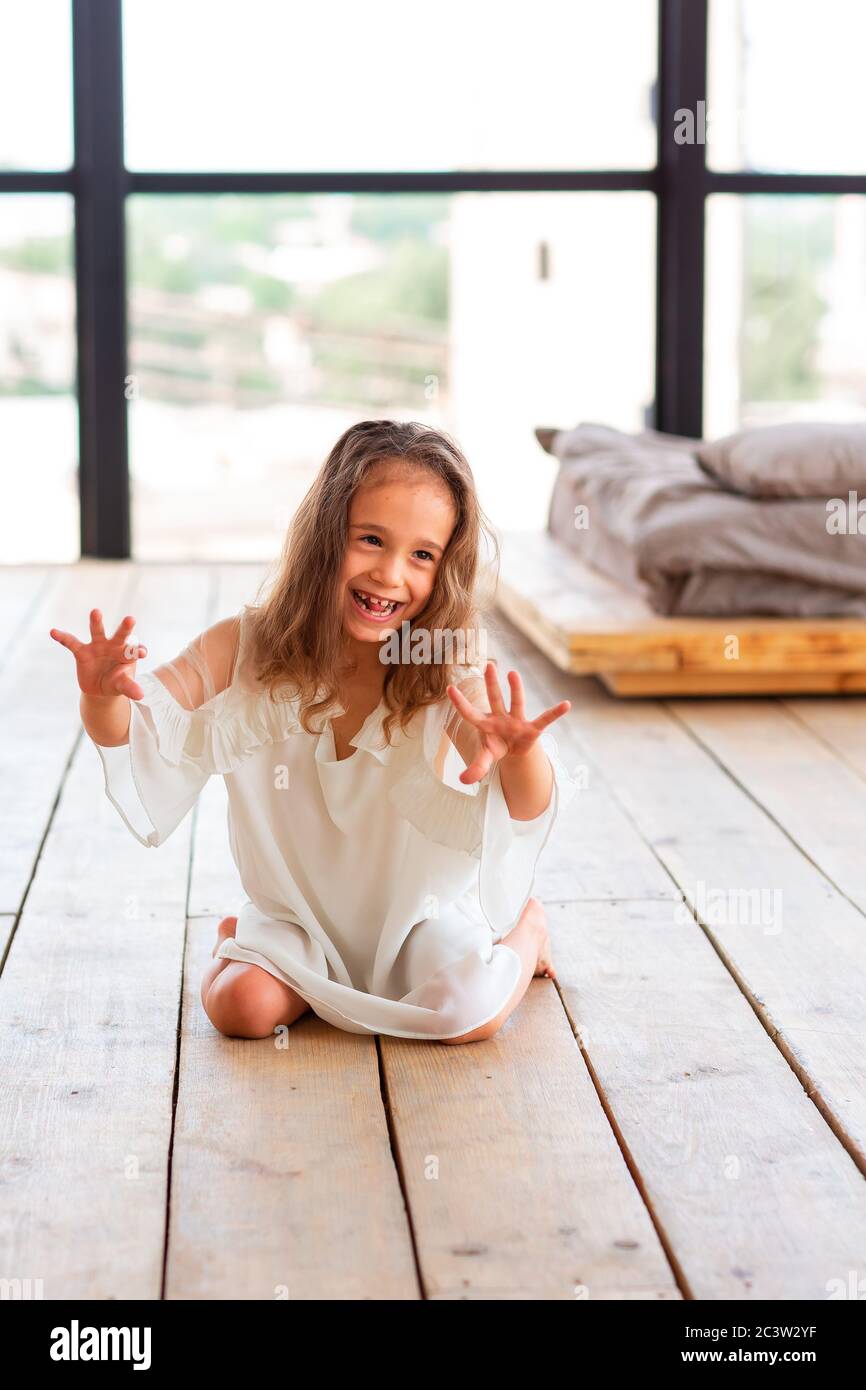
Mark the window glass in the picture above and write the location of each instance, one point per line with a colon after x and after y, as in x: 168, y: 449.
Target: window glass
x: 785, y: 86
x: 385, y: 85
x: 36, y: 85
x: 786, y: 310
x: 39, y: 518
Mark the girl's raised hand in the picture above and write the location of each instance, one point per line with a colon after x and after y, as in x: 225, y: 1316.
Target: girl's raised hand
x: 502, y: 732
x: 105, y: 666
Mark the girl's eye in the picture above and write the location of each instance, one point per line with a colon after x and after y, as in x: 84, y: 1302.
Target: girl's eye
x: 417, y: 552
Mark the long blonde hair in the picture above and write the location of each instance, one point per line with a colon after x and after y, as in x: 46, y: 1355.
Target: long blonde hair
x: 297, y: 629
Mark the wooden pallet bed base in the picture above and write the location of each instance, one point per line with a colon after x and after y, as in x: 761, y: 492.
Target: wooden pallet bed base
x: 589, y: 625
x: 738, y: 683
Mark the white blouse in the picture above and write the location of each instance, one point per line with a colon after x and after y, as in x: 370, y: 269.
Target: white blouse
x: 378, y: 886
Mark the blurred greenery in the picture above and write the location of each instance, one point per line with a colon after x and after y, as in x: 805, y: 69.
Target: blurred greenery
x: 412, y: 284
x: 786, y: 247
x: 185, y: 245
x: 43, y: 255
x: 189, y: 243
x: 182, y: 244
x: 32, y: 386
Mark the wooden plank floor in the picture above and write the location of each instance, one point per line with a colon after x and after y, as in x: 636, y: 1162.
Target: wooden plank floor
x: 682, y: 1115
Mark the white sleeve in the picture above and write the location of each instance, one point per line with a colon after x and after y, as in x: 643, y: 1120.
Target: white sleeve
x: 510, y: 848
x: 155, y: 778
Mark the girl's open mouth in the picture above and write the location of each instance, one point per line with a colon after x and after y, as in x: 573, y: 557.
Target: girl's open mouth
x: 373, y: 608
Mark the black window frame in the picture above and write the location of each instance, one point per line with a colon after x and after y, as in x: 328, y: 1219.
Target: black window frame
x: 99, y: 184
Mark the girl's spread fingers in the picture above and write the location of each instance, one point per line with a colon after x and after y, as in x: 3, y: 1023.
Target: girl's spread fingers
x: 494, y: 694
x: 518, y: 706
x: 468, y: 710
x: 123, y: 628
x: 556, y: 712
x: 66, y: 639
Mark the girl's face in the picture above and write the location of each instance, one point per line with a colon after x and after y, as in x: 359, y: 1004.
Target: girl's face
x: 399, y: 527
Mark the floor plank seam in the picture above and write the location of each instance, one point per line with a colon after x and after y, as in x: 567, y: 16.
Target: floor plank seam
x: 398, y: 1167
x: 777, y: 1037
x: 677, y: 1270
x: 856, y: 1154
x: 18, y: 913
x: 824, y: 742
x: 175, y: 1090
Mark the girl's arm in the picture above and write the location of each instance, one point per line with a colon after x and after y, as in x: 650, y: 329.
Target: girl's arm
x: 106, y: 718
x: 527, y: 783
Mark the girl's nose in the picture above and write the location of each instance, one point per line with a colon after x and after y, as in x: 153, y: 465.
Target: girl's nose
x: 388, y: 574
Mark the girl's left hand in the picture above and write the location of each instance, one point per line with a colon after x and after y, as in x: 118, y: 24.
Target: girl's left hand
x: 502, y: 732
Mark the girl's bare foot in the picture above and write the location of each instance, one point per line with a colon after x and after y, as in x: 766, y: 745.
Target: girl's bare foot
x: 535, y: 915
x: 227, y: 927
x: 545, y: 958
x: 530, y: 942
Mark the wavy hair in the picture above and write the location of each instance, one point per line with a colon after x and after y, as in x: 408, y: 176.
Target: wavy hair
x: 298, y: 638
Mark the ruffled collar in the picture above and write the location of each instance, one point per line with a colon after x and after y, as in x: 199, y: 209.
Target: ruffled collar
x: 219, y: 735
x: 371, y: 736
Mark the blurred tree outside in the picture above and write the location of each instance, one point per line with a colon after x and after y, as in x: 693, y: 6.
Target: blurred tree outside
x: 785, y: 256
x: 361, y: 282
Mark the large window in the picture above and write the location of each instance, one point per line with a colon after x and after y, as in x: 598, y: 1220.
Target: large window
x: 275, y: 219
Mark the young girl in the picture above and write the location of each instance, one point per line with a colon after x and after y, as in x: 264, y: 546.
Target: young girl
x: 388, y: 890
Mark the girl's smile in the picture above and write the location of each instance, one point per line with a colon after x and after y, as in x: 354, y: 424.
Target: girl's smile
x: 373, y: 607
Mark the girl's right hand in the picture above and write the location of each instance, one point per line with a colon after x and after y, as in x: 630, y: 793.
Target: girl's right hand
x: 103, y: 665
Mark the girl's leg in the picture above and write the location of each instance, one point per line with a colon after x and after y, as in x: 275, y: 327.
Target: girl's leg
x: 530, y: 939
x: 243, y: 1000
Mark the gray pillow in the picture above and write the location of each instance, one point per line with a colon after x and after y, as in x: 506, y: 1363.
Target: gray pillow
x: 589, y: 438
x: 583, y: 439
x: 813, y: 460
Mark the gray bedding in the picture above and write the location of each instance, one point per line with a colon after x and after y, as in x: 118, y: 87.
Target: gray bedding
x: 658, y: 523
